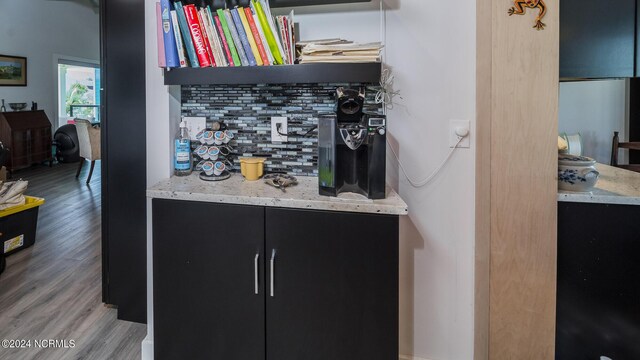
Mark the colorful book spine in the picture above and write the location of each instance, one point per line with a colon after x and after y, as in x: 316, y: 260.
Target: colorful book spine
x: 250, y: 36
x: 236, y: 38
x: 162, y: 61
x: 176, y: 33
x: 170, y: 50
x: 264, y: 40
x: 196, y: 35
x: 266, y: 27
x: 205, y: 38
x: 243, y: 35
x: 213, y: 38
x: 223, y: 38
x: 186, y: 35
x: 227, y: 35
x: 267, y: 10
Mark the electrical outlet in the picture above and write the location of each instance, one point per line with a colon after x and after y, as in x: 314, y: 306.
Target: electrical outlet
x: 456, y: 129
x: 278, y: 123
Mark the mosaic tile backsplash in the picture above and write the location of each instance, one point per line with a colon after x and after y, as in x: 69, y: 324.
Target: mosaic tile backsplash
x: 247, y: 112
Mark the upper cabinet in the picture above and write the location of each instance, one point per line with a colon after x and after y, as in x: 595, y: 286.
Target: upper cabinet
x: 597, y: 39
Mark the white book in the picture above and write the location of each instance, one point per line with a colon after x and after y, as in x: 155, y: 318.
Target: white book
x: 264, y: 39
x: 292, y: 37
x: 182, y: 56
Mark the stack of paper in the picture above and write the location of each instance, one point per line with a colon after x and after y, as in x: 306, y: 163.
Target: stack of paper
x: 340, y: 51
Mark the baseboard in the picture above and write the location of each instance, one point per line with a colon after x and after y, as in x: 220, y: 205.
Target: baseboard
x: 409, y: 357
x: 147, y: 349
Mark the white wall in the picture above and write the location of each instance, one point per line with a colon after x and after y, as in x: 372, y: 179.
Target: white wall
x: 41, y: 30
x: 595, y: 109
x: 431, y: 49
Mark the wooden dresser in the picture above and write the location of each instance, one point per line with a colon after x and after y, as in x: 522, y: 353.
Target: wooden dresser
x: 27, y: 134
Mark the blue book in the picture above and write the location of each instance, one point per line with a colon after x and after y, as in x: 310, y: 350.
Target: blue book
x: 236, y: 38
x: 186, y: 35
x: 170, y: 49
x: 243, y: 37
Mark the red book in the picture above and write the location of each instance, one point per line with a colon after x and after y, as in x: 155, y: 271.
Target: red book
x: 256, y: 36
x: 196, y: 35
x: 224, y: 40
x: 207, y: 43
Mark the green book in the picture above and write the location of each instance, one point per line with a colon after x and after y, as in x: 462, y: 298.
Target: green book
x: 227, y: 35
x: 268, y: 33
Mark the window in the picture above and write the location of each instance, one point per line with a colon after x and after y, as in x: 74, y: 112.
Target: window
x: 78, y: 91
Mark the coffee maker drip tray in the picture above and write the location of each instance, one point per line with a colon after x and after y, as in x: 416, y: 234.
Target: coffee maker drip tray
x: 353, y: 136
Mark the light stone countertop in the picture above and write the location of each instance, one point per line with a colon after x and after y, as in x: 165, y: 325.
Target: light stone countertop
x: 615, y: 186
x: 305, y: 195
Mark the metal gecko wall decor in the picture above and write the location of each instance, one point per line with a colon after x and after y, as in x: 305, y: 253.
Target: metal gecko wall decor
x: 520, y: 8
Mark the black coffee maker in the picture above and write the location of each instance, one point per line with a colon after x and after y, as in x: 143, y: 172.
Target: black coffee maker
x: 352, y: 148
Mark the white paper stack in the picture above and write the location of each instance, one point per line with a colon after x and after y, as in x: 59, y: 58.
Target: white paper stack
x: 340, y: 51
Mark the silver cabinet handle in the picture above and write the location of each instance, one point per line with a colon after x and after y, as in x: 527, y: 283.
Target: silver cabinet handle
x: 273, y: 261
x: 255, y: 276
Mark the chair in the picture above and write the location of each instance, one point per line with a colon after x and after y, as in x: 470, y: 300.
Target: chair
x: 617, y: 145
x: 89, y: 142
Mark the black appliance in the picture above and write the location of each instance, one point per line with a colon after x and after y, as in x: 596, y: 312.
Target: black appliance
x: 352, y: 148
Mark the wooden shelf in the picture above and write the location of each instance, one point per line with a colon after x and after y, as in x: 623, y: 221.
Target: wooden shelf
x: 283, y: 74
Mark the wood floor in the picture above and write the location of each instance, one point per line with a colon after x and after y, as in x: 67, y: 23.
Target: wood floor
x: 53, y: 289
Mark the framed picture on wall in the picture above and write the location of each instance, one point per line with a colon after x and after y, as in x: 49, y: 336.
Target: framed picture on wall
x: 13, y: 70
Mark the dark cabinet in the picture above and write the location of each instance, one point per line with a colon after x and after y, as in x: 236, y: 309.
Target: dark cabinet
x: 598, y: 299
x: 335, y: 289
x: 597, y: 38
x: 246, y: 282
x: 27, y: 134
x: 205, y: 261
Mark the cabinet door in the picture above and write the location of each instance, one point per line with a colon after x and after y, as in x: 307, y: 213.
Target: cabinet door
x: 335, y: 286
x: 20, y: 149
x: 597, y: 38
x: 598, y: 307
x: 204, y: 295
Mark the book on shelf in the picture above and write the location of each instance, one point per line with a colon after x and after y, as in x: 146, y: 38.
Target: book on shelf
x: 268, y: 32
x: 223, y: 39
x: 247, y: 34
x: 236, y: 38
x: 182, y: 56
x: 170, y: 48
x: 162, y: 61
x: 186, y: 35
x: 235, y: 14
x: 196, y: 35
x: 212, y: 31
x: 228, y: 36
x: 267, y: 49
x: 205, y: 38
x: 256, y: 36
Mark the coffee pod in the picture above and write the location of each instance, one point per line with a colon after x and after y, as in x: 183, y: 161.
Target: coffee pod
x: 202, y: 152
x: 208, y: 168
x: 208, y: 137
x: 200, y: 165
x: 219, y: 137
x: 200, y: 136
x: 218, y: 168
x: 214, y: 152
x: 228, y: 136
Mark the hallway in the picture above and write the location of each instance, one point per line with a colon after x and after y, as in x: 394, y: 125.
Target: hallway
x: 53, y: 290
